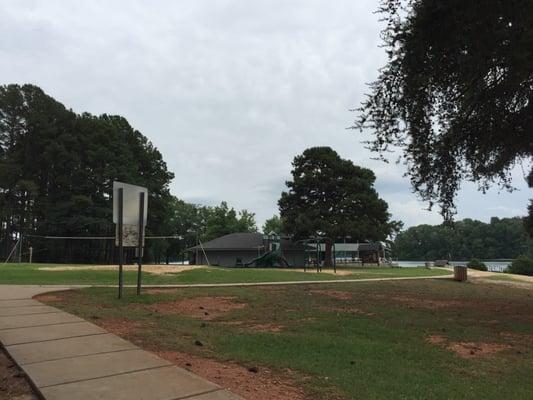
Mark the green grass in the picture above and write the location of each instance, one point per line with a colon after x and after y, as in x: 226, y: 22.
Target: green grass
x: 32, y: 274
x: 370, y: 346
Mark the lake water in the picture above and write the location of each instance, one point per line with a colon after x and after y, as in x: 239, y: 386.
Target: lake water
x: 492, y: 265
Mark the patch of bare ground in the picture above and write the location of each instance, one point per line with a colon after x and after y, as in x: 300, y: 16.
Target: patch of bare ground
x: 53, y: 297
x: 511, y: 283
x: 13, y: 385
x: 205, y: 308
x: 468, y: 349
x: 517, y: 336
x: 121, y: 326
x: 335, y: 294
x: 272, y: 328
x: 252, y: 383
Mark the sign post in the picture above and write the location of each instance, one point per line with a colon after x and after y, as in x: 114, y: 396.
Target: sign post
x: 141, y: 239
x: 120, y: 241
x: 130, y: 206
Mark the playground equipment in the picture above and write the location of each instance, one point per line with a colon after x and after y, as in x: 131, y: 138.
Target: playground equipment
x: 312, y: 249
x: 272, y: 258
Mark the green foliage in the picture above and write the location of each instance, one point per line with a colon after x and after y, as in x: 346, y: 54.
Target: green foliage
x: 474, y: 263
x: 193, y: 222
x: 273, y: 224
x: 333, y: 196
x: 56, y: 174
x: 222, y: 220
x: 503, y: 238
x: 523, y: 265
x: 456, y: 94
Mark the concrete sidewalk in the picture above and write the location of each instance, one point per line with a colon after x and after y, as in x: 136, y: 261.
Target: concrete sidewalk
x: 66, y: 357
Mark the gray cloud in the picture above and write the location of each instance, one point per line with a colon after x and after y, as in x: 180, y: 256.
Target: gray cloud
x: 229, y: 91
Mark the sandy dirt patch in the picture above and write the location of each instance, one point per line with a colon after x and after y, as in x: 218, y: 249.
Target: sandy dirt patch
x: 252, y: 383
x: 205, y: 308
x: 468, y: 349
x: 340, y: 272
x: 474, y: 350
x: 509, y: 283
x: 517, y: 280
x: 336, y: 294
x: 153, y: 269
x: 272, y: 328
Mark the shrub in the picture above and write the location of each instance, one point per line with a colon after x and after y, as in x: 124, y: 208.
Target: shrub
x: 523, y: 265
x: 474, y: 263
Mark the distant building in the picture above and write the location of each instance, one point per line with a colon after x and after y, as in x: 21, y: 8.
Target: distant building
x: 366, y: 253
x: 247, y: 250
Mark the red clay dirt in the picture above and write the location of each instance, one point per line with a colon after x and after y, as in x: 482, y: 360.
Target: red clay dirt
x: 204, y: 308
x: 259, y: 385
x: 250, y: 383
x: 52, y: 297
x: 121, y: 326
x: 468, y: 349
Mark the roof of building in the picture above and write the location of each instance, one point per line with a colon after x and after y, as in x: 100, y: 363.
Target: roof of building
x: 245, y: 241
x: 234, y: 241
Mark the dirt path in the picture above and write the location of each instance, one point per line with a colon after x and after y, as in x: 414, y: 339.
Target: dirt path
x: 487, y: 274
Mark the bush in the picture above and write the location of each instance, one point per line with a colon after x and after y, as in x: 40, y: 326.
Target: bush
x: 474, y: 263
x: 523, y: 265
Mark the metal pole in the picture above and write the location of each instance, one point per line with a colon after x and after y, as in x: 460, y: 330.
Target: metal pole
x: 20, y: 248
x: 120, y: 246
x: 31, y: 254
x: 306, y: 252
x: 317, y: 256
x: 140, y: 255
x: 335, y: 259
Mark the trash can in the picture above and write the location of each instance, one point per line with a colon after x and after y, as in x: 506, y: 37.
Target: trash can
x: 459, y: 273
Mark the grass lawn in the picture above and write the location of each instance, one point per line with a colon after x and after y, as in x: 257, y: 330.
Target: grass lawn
x: 425, y: 339
x: 32, y: 274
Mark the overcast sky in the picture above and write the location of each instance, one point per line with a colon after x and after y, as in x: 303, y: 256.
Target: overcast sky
x: 229, y: 91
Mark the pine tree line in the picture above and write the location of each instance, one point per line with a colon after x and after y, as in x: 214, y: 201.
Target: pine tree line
x: 56, y: 173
